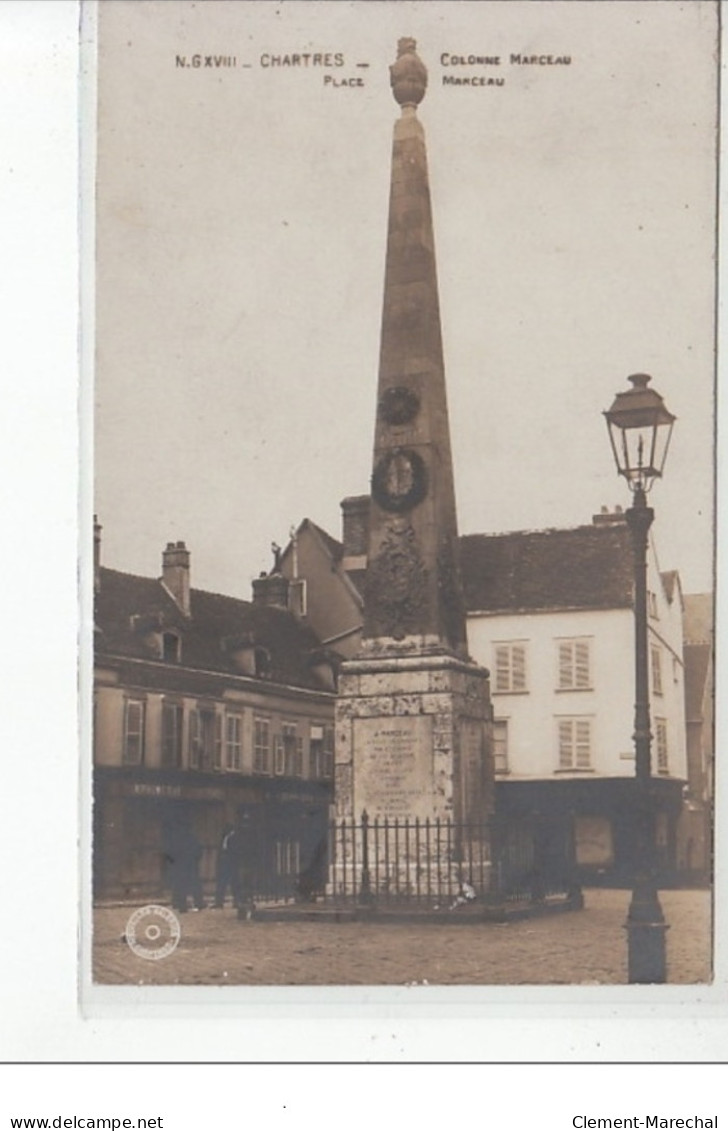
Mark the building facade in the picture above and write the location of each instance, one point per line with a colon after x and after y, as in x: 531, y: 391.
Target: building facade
x: 550, y: 612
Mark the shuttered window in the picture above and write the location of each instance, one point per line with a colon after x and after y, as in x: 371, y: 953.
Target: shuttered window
x: 217, y: 754
x: 195, y: 740
x: 575, y: 744
x: 261, y: 749
x: 510, y: 667
x: 656, y: 670
x: 201, y: 738
x: 661, y: 745
x: 574, y: 665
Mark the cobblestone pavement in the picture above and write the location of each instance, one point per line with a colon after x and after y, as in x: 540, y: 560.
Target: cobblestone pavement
x: 576, y: 948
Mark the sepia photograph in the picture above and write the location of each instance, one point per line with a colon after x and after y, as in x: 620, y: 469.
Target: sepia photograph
x: 401, y: 381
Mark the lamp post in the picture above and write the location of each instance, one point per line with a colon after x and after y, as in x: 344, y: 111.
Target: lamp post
x: 640, y: 427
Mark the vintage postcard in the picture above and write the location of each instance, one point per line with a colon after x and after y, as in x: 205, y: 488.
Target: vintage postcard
x: 402, y: 378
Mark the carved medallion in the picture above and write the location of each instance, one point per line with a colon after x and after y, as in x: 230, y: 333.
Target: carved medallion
x: 399, y: 481
x: 396, y: 598
x: 399, y: 405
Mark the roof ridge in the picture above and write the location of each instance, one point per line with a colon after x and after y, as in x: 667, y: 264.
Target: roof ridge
x: 590, y: 526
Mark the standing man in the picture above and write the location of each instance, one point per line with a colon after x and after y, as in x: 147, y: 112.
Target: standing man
x: 228, y: 867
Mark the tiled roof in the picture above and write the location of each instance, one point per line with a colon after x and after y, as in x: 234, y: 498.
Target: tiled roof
x: 129, y: 607
x: 584, y: 567
x: 698, y: 618
x: 335, y: 548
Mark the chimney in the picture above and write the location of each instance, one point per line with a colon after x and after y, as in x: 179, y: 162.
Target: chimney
x: 355, y: 530
x: 97, y: 554
x: 176, y: 574
x: 271, y: 589
x: 609, y: 518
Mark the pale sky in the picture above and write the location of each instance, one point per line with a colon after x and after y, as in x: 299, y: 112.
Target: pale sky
x: 242, y: 219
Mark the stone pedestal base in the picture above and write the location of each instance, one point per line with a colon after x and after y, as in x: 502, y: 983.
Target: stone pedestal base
x: 413, y: 739
x: 413, y: 752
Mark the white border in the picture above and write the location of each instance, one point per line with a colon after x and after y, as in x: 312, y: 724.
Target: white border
x: 42, y: 1020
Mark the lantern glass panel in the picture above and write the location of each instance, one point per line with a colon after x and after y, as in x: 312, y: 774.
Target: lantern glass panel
x: 640, y: 451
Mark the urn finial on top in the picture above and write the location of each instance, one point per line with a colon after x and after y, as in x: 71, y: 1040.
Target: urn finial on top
x: 408, y: 76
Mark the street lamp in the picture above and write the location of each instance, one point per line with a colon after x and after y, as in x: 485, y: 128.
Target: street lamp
x: 640, y: 427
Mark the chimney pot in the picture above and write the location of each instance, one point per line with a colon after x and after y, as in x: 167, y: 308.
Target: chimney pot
x: 355, y: 525
x: 176, y: 574
x: 271, y: 589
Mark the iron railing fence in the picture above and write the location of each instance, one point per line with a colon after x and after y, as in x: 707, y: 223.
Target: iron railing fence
x: 437, y: 863
x: 408, y: 860
x: 427, y: 863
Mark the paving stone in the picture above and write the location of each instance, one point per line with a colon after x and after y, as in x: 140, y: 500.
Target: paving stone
x: 580, y: 948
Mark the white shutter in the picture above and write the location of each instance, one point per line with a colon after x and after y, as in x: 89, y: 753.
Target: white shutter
x: 502, y: 669
x: 565, y: 744
x: 566, y: 665
x: 583, y: 744
x: 518, y: 660
x: 582, y: 676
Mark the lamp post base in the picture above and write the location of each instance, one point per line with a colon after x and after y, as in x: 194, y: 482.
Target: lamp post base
x: 646, y: 929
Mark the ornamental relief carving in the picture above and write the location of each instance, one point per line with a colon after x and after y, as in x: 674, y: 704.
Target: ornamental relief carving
x: 397, y: 585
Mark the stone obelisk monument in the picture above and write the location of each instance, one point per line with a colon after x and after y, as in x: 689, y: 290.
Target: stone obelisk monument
x: 413, y: 711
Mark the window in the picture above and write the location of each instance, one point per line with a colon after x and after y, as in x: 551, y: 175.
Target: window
x: 133, y: 732
x: 661, y: 745
x: 316, y: 751
x: 500, y: 746
x: 217, y: 754
x: 233, y: 742
x: 510, y: 667
x: 202, y: 737
x: 656, y: 660
x: 574, y: 665
x: 172, y: 734
x: 328, y: 752
x: 652, y: 604
x: 289, y: 748
x: 574, y: 744
x: 288, y: 857
x: 261, y: 747
x: 279, y: 762
x: 321, y: 747
x: 171, y: 649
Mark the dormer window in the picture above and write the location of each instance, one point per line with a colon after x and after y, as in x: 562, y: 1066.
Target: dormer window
x: 262, y: 663
x: 171, y: 648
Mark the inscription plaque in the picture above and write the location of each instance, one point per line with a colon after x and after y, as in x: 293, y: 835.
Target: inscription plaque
x: 393, y: 768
